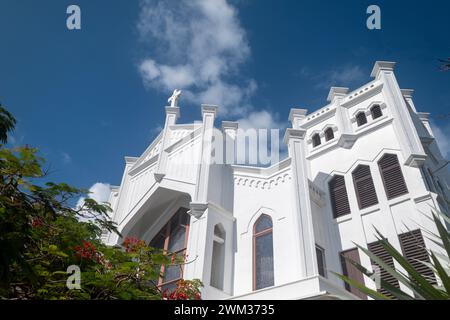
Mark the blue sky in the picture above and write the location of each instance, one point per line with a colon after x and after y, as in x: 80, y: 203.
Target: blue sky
x: 89, y: 97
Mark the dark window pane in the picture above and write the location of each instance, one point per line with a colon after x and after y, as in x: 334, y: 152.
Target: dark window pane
x: 171, y: 273
x: 176, y: 239
x: 361, y: 119
x: 376, y: 112
x: 329, y: 134
x: 169, y: 287
x: 321, y: 261
x: 263, y: 223
x: 158, y: 241
x: 264, y: 276
x: 316, y: 140
x: 172, y: 238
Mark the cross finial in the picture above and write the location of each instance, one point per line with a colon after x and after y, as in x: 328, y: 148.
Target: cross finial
x: 173, y: 100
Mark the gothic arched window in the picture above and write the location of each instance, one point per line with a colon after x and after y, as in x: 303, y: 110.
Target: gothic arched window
x: 329, y: 134
x: 391, y: 173
x: 364, y: 187
x: 173, y: 238
x: 263, y: 271
x: 376, y: 112
x: 316, y: 140
x: 339, y: 197
x: 361, y: 119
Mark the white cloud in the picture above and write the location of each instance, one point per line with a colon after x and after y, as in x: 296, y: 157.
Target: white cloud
x: 260, y: 120
x: 200, y: 45
x: 442, y: 135
x: 99, y: 192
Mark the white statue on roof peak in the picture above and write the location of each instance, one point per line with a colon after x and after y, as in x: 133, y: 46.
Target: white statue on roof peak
x: 173, y: 100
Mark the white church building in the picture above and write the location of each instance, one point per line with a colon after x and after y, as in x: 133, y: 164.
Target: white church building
x: 366, y: 160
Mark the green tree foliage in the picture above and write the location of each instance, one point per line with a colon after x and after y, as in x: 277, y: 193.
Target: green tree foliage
x: 421, y: 287
x: 42, y: 234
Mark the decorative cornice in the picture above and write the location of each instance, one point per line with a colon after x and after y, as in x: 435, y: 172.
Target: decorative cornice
x: 362, y: 94
x: 337, y: 92
x: 407, y: 93
x: 197, y: 209
x: 159, y: 176
x: 209, y: 108
x: 382, y: 66
x: 294, y: 134
x: 230, y: 125
x: 131, y: 160
x: 424, y: 116
x: 173, y: 110
x: 416, y: 160
x: 297, y: 113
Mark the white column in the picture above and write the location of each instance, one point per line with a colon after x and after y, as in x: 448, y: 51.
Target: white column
x: 335, y: 97
x: 229, y: 130
x: 297, y: 117
x: 200, y: 199
x: 172, y: 114
x: 295, y: 139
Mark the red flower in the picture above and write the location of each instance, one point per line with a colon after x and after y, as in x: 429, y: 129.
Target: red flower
x: 36, y: 222
x: 185, y: 290
x: 132, y: 244
x: 89, y: 252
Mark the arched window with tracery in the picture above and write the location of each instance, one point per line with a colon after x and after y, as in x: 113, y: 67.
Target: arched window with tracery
x: 263, y: 270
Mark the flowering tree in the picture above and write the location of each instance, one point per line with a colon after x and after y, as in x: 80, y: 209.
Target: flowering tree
x: 41, y: 235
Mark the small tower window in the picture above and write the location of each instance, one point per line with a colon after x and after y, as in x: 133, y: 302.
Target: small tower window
x: 376, y: 112
x: 329, y: 134
x: 316, y: 140
x: 361, y: 119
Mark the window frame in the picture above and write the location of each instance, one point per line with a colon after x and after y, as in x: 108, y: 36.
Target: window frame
x: 324, y: 262
x: 355, y: 186
x: 165, y: 232
x: 255, y: 236
x: 382, y: 173
x: 331, y: 191
x: 329, y: 134
x: 316, y: 140
x: 376, y: 107
x: 358, y: 118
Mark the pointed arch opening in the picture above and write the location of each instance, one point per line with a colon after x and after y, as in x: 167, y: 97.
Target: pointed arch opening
x: 263, y: 264
x: 316, y: 140
x: 361, y: 119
